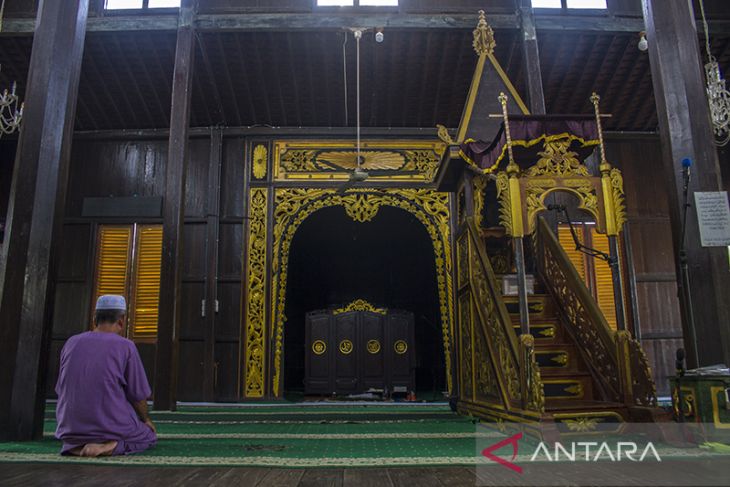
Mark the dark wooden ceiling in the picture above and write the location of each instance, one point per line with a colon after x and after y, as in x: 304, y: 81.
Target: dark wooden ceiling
x: 416, y: 78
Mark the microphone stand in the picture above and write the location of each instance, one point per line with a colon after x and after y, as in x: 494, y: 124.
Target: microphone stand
x: 686, y: 295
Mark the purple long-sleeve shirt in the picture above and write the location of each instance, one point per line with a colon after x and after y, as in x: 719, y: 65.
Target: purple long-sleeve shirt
x: 101, y: 375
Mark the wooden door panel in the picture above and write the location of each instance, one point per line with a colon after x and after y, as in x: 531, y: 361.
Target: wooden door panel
x: 400, y: 348
x: 370, y: 349
x: 318, y: 354
x: 352, y: 352
x: 345, y: 341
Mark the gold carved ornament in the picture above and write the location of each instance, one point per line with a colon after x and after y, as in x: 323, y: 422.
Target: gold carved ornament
x: 443, y: 135
x: 359, y: 305
x: 582, y: 424
x: 260, y: 161
x: 688, y: 398
x: 293, y: 205
x: 480, y: 182
x: 534, y: 389
x: 612, y: 182
x: 256, y: 288
x: 400, y: 347
x: 483, y: 42
x: 373, y: 346
x: 557, y: 160
x: 508, y: 187
x: 326, y: 160
x: 497, y: 326
x: 485, y: 380
x: 319, y: 347
x: 346, y: 347
x: 466, y: 350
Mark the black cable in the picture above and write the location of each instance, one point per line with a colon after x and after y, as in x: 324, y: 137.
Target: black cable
x: 578, y: 244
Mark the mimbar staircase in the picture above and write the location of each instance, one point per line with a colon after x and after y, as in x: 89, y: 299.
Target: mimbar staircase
x: 571, y: 370
x: 573, y: 399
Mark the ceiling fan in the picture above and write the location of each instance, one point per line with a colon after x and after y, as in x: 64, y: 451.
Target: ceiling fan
x: 360, y: 173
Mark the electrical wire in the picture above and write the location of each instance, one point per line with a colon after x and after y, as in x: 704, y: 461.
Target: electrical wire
x: 358, y: 34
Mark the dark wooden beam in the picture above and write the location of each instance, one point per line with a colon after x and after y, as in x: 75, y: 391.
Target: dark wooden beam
x: 337, y: 21
x: 28, y: 264
x: 211, y: 248
x: 173, y: 212
x: 531, y: 58
x: 676, y: 68
x: 232, y: 22
x: 262, y: 131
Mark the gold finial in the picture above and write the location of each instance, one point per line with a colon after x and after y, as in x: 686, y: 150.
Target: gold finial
x: 443, y: 134
x: 595, y: 99
x: 512, y: 168
x: 484, y: 42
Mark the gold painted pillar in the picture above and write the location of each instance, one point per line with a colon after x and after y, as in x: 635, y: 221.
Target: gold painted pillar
x: 612, y: 187
x: 255, y: 295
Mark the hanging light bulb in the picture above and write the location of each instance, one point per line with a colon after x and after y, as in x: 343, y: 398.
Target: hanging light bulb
x: 643, y: 44
x: 718, y: 97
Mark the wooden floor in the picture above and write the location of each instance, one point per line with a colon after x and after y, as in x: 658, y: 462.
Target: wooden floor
x: 85, y: 475
x: 715, y: 471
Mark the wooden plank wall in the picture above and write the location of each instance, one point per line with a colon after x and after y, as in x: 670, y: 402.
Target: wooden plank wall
x: 650, y: 240
x: 129, y: 168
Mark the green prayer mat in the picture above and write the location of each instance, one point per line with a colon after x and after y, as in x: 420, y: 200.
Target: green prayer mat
x: 299, y: 435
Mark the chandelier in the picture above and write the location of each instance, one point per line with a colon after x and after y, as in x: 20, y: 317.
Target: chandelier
x: 10, y: 114
x: 717, y: 95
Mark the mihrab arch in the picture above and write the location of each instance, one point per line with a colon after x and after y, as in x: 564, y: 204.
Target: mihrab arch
x: 291, y: 206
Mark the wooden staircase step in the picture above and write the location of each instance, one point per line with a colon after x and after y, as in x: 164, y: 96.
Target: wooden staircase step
x: 569, y: 385
x: 554, y: 357
x: 576, y: 405
x: 581, y: 417
x: 540, y: 305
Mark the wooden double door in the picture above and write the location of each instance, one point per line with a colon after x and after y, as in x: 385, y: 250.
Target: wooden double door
x: 352, y: 352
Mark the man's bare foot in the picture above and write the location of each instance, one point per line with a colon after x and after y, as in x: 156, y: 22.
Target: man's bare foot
x: 98, y: 449
x: 76, y: 451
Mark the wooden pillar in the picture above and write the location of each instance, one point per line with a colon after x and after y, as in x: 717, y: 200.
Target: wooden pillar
x: 685, y: 130
x: 535, y: 94
x: 37, y: 198
x: 173, y: 212
x: 531, y: 56
x: 211, y: 249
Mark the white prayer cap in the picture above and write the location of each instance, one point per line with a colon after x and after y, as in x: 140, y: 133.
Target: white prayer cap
x: 111, y: 301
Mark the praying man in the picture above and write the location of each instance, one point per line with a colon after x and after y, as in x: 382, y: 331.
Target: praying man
x: 102, y: 389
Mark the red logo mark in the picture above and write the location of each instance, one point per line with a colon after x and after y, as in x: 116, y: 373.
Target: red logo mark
x: 512, y: 440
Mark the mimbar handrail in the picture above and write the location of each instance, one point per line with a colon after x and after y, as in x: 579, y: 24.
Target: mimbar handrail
x: 514, y: 357
x: 585, y: 321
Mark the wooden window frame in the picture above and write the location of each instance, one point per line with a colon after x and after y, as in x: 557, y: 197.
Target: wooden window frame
x: 132, y: 274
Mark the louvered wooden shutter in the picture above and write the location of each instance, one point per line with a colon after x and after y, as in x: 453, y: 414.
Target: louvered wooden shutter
x: 604, y: 281
x: 146, y: 292
x: 566, y: 241
x: 112, y: 263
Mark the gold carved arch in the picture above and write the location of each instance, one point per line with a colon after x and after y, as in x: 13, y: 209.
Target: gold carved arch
x: 294, y: 205
x: 522, y: 195
x: 586, y: 190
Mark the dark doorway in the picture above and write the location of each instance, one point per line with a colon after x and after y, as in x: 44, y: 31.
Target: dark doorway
x: 388, y: 262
